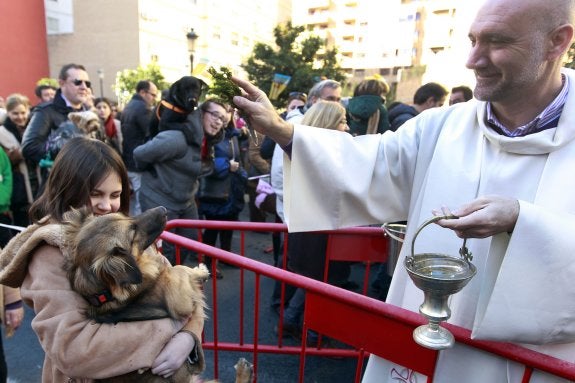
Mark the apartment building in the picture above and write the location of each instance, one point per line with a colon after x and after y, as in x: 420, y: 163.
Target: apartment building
x: 108, y: 36
x: 408, y: 42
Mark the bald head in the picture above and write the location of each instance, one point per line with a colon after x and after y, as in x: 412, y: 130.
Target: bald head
x: 545, y: 15
x: 517, y: 50
x: 562, y: 11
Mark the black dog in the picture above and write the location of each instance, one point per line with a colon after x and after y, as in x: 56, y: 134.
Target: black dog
x: 180, y: 100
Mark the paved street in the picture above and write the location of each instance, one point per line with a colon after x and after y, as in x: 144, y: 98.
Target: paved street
x: 25, y: 356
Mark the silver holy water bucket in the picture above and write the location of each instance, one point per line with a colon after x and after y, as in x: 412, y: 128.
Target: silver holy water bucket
x: 438, y: 276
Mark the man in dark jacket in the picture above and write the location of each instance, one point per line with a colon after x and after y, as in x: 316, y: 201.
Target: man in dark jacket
x: 74, y: 85
x: 135, y: 126
x: 430, y: 95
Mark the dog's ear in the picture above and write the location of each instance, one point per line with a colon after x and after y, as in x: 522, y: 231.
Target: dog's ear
x: 196, y: 90
x: 75, y: 117
x: 176, y: 93
x: 77, y: 216
x: 74, y: 219
x: 149, y: 225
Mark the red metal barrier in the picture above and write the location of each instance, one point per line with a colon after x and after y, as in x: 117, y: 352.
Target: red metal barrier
x: 385, y: 329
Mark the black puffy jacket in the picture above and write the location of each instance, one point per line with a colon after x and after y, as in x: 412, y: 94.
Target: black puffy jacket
x: 46, y: 118
x: 136, y: 118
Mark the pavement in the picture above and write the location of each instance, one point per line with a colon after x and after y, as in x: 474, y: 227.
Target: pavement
x: 25, y: 356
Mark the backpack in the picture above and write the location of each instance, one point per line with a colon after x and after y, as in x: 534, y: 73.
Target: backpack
x: 57, y: 139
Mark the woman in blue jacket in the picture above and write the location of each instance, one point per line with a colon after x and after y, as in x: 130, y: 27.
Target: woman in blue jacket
x: 221, y: 194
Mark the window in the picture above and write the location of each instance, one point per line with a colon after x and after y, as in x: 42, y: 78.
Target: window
x: 52, y: 25
x: 384, y: 71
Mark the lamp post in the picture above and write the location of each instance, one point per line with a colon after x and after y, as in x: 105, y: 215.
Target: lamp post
x: 101, y: 77
x: 192, y: 36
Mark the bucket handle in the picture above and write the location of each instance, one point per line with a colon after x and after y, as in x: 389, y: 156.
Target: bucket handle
x: 463, y: 251
x: 389, y: 228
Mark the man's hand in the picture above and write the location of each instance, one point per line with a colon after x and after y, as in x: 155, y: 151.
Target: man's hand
x: 261, y: 114
x: 483, y: 217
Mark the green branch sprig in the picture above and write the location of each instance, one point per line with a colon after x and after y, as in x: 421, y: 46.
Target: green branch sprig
x: 222, y: 85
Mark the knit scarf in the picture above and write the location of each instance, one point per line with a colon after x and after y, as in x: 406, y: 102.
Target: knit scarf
x: 110, y: 127
x: 12, y: 128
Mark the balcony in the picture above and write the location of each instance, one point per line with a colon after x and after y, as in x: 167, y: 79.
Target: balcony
x: 325, y: 4
x: 322, y: 17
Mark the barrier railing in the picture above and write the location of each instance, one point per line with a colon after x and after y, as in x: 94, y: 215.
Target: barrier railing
x: 385, y: 330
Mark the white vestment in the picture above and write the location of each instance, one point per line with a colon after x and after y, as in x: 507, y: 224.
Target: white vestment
x: 523, y: 291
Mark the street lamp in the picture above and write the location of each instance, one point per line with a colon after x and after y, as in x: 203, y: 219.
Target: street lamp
x: 101, y: 77
x: 192, y: 36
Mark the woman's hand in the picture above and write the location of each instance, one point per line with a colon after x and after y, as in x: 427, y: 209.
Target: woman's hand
x: 14, y: 317
x: 173, y: 355
x: 261, y: 114
x: 482, y: 217
x: 234, y: 166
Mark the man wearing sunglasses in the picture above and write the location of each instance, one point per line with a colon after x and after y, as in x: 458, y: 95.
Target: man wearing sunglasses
x: 74, y: 86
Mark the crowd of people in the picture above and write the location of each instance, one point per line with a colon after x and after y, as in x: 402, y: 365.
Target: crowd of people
x: 198, y: 168
x: 493, y: 161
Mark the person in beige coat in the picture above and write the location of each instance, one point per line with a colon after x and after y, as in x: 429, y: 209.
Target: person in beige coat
x: 86, y: 173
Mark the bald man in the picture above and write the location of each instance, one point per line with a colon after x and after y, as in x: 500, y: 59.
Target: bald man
x: 503, y: 163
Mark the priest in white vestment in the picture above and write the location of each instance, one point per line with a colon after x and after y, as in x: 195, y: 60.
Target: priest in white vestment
x: 505, y: 165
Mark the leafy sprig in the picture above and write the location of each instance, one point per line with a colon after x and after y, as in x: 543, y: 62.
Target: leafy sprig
x: 222, y: 85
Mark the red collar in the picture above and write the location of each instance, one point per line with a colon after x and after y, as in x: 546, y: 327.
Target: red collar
x: 99, y: 299
x: 171, y: 107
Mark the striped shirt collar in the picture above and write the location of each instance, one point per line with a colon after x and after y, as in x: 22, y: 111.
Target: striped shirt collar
x: 551, y: 113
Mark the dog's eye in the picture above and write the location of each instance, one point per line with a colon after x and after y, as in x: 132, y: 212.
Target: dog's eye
x: 120, y: 251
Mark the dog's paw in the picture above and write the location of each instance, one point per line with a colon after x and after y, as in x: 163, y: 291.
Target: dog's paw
x: 244, y: 371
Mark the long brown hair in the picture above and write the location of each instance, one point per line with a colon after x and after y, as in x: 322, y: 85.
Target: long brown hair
x: 79, y: 168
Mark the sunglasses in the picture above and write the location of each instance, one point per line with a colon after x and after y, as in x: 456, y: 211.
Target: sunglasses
x: 79, y: 82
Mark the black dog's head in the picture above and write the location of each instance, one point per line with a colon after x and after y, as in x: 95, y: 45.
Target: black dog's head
x: 185, y: 93
x: 180, y: 100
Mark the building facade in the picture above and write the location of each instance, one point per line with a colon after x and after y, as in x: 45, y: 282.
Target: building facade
x: 23, y: 51
x: 108, y: 36
x: 408, y: 42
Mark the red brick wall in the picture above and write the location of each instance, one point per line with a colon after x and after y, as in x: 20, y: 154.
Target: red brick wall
x: 23, y: 47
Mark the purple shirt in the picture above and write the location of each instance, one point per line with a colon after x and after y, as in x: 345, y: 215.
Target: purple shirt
x: 545, y: 120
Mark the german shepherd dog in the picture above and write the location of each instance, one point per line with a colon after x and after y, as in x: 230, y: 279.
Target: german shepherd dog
x: 112, y: 263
